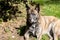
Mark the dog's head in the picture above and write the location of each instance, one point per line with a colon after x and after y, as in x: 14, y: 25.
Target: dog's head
x: 33, y: 13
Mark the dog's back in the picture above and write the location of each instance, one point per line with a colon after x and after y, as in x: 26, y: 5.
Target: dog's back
x: 45, y: 21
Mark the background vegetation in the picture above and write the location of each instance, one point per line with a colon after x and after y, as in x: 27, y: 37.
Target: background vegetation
x: 8, y: 10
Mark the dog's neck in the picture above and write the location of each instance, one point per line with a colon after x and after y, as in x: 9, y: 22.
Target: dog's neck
x: 33, y: 29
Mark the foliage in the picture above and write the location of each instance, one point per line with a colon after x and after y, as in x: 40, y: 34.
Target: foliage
x: 7, y: 10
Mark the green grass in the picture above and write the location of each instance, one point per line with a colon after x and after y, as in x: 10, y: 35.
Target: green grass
x: 51, y: 9
x: 45, y: 37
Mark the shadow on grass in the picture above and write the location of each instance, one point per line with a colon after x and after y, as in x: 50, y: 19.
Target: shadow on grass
x: 21, y: 30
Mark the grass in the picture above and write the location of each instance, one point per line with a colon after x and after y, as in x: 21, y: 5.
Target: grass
x: 51, y: 9
x: 45, y: 37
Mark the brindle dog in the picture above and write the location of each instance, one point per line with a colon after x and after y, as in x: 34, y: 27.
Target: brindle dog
x: 35, y: 27
x: 32, y: 21
x: 37, y: 24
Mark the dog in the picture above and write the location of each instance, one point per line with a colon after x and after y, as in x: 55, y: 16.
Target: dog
x: 44, y: 23
x: 32, y: 22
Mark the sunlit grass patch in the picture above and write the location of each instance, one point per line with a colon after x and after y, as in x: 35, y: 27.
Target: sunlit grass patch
x: 45, y: 37
x: 51, y: 9
x: 59, y: 38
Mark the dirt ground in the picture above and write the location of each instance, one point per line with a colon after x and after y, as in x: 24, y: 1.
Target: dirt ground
x: 8, y: 30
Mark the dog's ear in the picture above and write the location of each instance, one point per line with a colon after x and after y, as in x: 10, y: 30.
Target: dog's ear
x: 37, y: 8
x: 27, y: 7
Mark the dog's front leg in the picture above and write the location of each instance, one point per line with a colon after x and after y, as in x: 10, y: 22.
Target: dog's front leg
x: 39, y: 33
x: 50, y: 36
x: 39, y: 36
x: 55, y: 36
x: 26, y: 36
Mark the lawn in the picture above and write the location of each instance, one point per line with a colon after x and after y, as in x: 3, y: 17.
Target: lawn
x: 51, y: 9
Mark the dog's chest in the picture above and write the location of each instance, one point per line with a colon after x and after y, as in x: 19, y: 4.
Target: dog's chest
x: 33, y: 29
